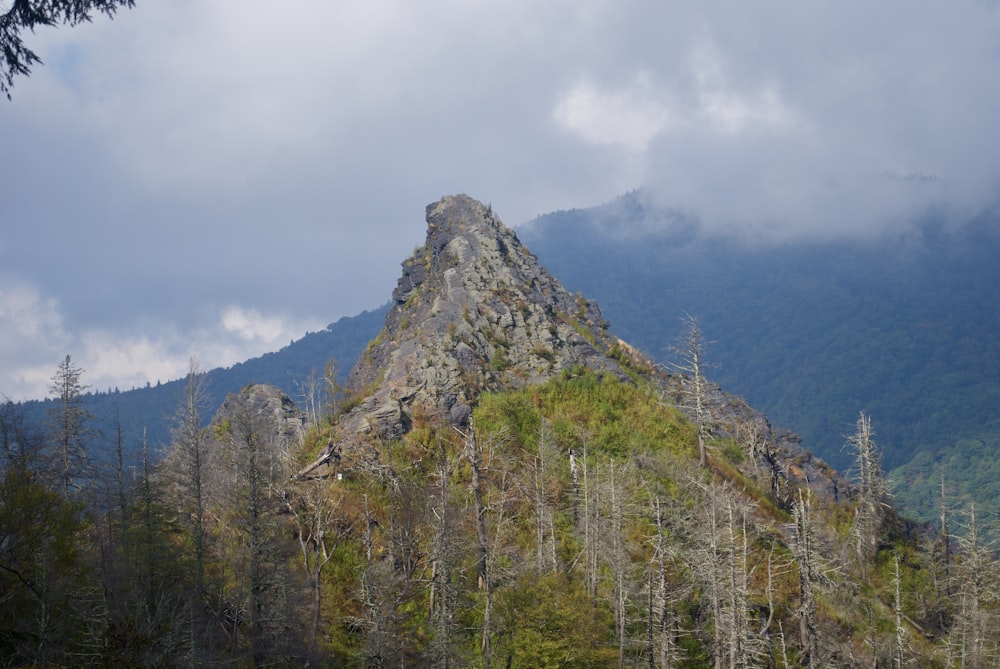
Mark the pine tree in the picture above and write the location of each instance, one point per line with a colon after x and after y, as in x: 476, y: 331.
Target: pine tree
x: 68, y: 420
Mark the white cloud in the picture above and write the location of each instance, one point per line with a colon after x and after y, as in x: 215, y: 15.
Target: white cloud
x: 24, y: 312
x: 629, y: 117
x: 159, y: 160
x: 723, y: 105
x: 33, y: 329
x: 253, y: 327
x: 701, y: 98
x: 36, y: 340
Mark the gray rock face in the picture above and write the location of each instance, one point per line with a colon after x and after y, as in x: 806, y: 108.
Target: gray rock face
x: 273, y: 412
x: 473, y: 311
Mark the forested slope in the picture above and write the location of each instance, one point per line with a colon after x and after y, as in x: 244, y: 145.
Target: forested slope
x: 505, y: 484
x: 150, y: 411
x: 903, y: 327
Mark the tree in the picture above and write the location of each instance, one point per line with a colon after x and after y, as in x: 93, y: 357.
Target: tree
x: 253, y: 459
x: 333, y: 389
x: 973, y: 639
x: 69, y: 424
x: 873, y: 493
x: 145, y: 619
x: 189, y: 459
x: 28, y: 15
x: 471, y: 451
x: 804, y: 551
x: 43, y: 576
x: 548, y: 620
x: 694, y: 389
x: 545, y: 535
x: 20, y: 441
x: 248, y: 577
x: 446, y: 556
x: 186, y: 464
x: 314, y: 508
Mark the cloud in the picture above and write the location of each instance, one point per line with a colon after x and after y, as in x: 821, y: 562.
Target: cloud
x: 36, y: 339
x: 625, y: 117
x: 722, y: 107
x: 253, y: 327
x: 192, y: 157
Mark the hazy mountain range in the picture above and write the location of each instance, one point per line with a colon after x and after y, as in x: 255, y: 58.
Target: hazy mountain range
x: 506, y: 479
x: 901, y: 326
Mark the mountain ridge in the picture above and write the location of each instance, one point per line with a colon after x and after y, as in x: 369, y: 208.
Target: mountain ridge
x: 474, y: 311
x: 901, y: 326
x: 508, y: 483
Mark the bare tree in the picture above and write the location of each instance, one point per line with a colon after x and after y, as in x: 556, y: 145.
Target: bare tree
x: 311, y: 391
x: 541, y: 466
x: 724, y: 560
x: 591, y: 515
x: 472, y: 452
x: 315, y: 510
x: 333, y: 388
x: 68, y: 419
x: 618, y: 558
x: 809, y: 577
x: 189, y: 459
x: 694, y: 389
x: 873, y: 493
x: 444, y: 591
x: 973, y: 639
x: 662, y: 649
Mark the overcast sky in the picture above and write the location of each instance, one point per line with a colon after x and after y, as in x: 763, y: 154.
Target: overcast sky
x: 214, y: 178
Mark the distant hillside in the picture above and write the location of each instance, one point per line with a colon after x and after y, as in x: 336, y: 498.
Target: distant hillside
x: 903, y: 327
x: 507, y: 483
x: 152, y: 408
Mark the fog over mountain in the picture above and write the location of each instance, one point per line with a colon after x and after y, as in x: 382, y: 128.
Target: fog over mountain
x: 217, y: 178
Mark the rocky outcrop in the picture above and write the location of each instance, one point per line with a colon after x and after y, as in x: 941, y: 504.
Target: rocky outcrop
x: 272, y: 411
x: 473, y: 311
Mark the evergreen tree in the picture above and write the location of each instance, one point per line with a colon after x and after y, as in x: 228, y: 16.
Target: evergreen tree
x: 17, y: 59
x: 68, y: 421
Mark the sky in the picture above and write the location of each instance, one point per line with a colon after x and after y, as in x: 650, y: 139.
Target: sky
x: 215, y: 178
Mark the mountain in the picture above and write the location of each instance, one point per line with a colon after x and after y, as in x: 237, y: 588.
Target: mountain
x: 490, y: 378
x: 507, y: 483
x: 474, y: 311
x: 900, y: 326
x: 149, y: 412
x: 903, y: 326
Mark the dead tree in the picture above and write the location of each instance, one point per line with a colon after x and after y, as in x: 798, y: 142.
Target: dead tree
x: 809, y: 574
x: 694, y: 388
x: 873, y: 493
x: 471, y: 451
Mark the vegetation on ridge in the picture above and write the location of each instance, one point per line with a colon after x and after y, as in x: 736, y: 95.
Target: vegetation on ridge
x: 901, y: 326
x: 571, y: 525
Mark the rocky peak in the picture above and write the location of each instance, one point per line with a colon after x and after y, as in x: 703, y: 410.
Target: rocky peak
x: 473, y: 311
x: 271, y: 410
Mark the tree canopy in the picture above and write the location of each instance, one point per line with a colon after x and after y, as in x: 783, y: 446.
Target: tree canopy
x: 27, y: 15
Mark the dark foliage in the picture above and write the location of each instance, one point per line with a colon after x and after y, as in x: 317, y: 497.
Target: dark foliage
x: 29, y: 14
x: 903, y: 327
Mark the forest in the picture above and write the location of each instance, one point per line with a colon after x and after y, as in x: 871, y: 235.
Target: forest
x: 901, y: 325
x: 588, y: 521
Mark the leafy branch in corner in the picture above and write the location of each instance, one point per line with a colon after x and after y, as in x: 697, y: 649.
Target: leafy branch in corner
x: 27, y: 15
